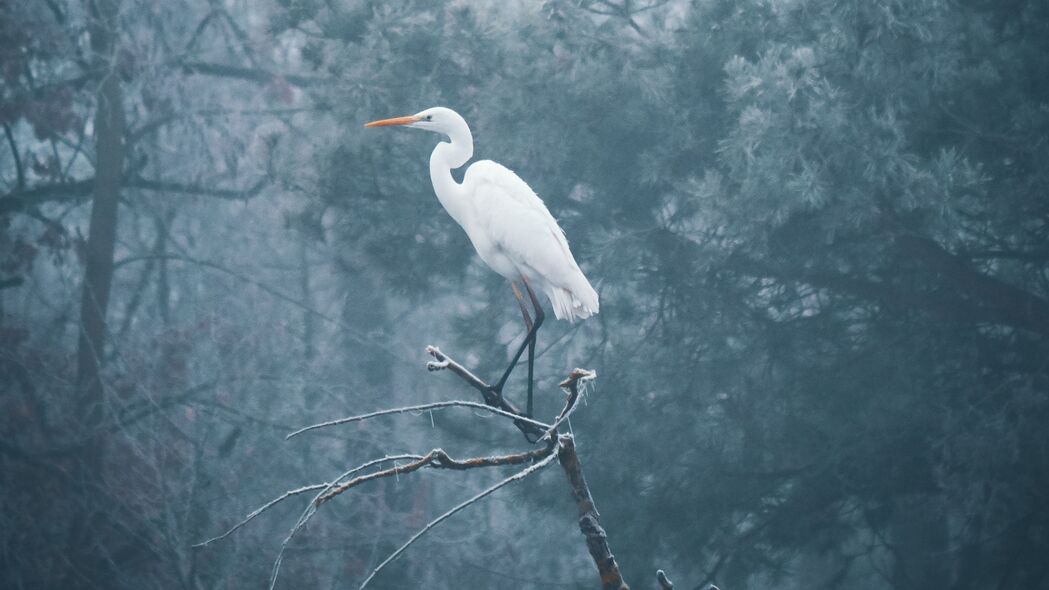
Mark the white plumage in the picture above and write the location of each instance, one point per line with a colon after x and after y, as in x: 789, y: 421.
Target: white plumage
x: 508, y: 224
x: 516, y: 236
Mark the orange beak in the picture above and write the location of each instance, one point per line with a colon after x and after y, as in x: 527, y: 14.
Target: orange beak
x: 393, y: 121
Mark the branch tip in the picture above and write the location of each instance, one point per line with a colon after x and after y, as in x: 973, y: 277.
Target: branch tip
x: 436, y: 365
x: 578, y: 376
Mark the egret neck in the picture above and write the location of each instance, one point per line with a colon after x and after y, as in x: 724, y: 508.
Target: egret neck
x: 446, y: 157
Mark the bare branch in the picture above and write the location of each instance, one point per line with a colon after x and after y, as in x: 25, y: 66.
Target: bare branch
x: 196, y: 189
x: 561, y: 447
x: 419, y: 408
x: 19, y: 172
x: 311, y: 509
x: 436, y: 458
x: 515, y: 477
x: 257, y: 75
x: 302, y: 490
x: 22, y: 199
x: 63, y: 191
x: 251, y: 516
x: 160, y: 122
x: 439, y: 459
x: 575, y: 378
x: 443, y: 361
x: 491, y: 396
x: 354, y: 333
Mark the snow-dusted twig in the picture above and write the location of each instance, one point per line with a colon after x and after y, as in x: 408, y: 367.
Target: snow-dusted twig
x: 515, y: 477
x: 436, y: 458
x: 263, y: 508
x: 442, y: 361
x: 571, y: 385
x: 311, y: 508
x: 558, y: 446
x: 420, y: 408
x: 439, y: 459
x: 491, y: 396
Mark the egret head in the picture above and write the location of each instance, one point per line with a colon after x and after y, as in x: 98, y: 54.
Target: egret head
x: 436, y: 119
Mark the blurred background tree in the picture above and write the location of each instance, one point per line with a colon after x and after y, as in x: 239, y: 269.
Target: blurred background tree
x: 819, y: 230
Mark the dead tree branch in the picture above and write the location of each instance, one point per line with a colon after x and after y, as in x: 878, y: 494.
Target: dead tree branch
x: 557, y: 446
x: 515, y: 477
x: 303, y: 490
x: 438, y: 459
x: 491, y: 396
x: 589, y: 519
x: 419, y: 408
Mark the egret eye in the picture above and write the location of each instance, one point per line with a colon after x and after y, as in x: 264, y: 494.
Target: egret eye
x: 429, y: 117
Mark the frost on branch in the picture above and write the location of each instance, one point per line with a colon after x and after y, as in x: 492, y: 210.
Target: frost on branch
x: 549, y: 445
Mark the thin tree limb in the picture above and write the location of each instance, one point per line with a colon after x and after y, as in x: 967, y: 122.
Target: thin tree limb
x: 63, y: 191
x: 251, y: 516
x: 302, y: 490
x: 419, y: 408
x: 196, y: 189
x: 436, y: 458
x: 19, y: 172
x: 311, y: 509
x: 350, y: 330
x: 257, y: 75
x: 571, y: 385
x: 515, y: 477
x: 439, y: 459
x: 491, y: 396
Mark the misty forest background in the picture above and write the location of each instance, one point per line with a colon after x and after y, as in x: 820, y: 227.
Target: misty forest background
x: 820, y: 232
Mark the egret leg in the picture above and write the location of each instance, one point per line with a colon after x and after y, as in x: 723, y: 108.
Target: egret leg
x: 539, y: 315
x: 521, y: 304
x: 529, y: 342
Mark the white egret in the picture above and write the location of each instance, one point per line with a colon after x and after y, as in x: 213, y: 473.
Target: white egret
x: 509, y: 226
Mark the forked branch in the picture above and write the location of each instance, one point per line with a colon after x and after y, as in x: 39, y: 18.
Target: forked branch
x: 438, y: 459
x: 556, y: 446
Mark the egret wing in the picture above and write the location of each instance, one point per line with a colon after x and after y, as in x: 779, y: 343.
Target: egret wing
x: 520, y: 225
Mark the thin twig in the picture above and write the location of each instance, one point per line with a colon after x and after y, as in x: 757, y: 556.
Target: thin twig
x: 443, y: 361
x: 436, y: 458
x: 354, y: 333
x: 515, y: 477
x: 311, y: 508
x: 439, y: 459
x: 419, y: 408
x: 571, y: 385
x: 491, y: 396
x: 262, y: 509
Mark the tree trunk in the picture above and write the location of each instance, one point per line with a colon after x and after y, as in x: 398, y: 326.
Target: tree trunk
x: 109, y: 162
x: 88, y: 562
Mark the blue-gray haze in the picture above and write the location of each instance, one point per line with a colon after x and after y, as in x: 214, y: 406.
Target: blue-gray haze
x: 819, y: 230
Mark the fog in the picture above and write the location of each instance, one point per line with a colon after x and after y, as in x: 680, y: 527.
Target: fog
x: 818, y: 229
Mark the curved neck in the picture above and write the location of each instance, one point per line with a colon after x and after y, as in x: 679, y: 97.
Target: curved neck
x: 445, y: 157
